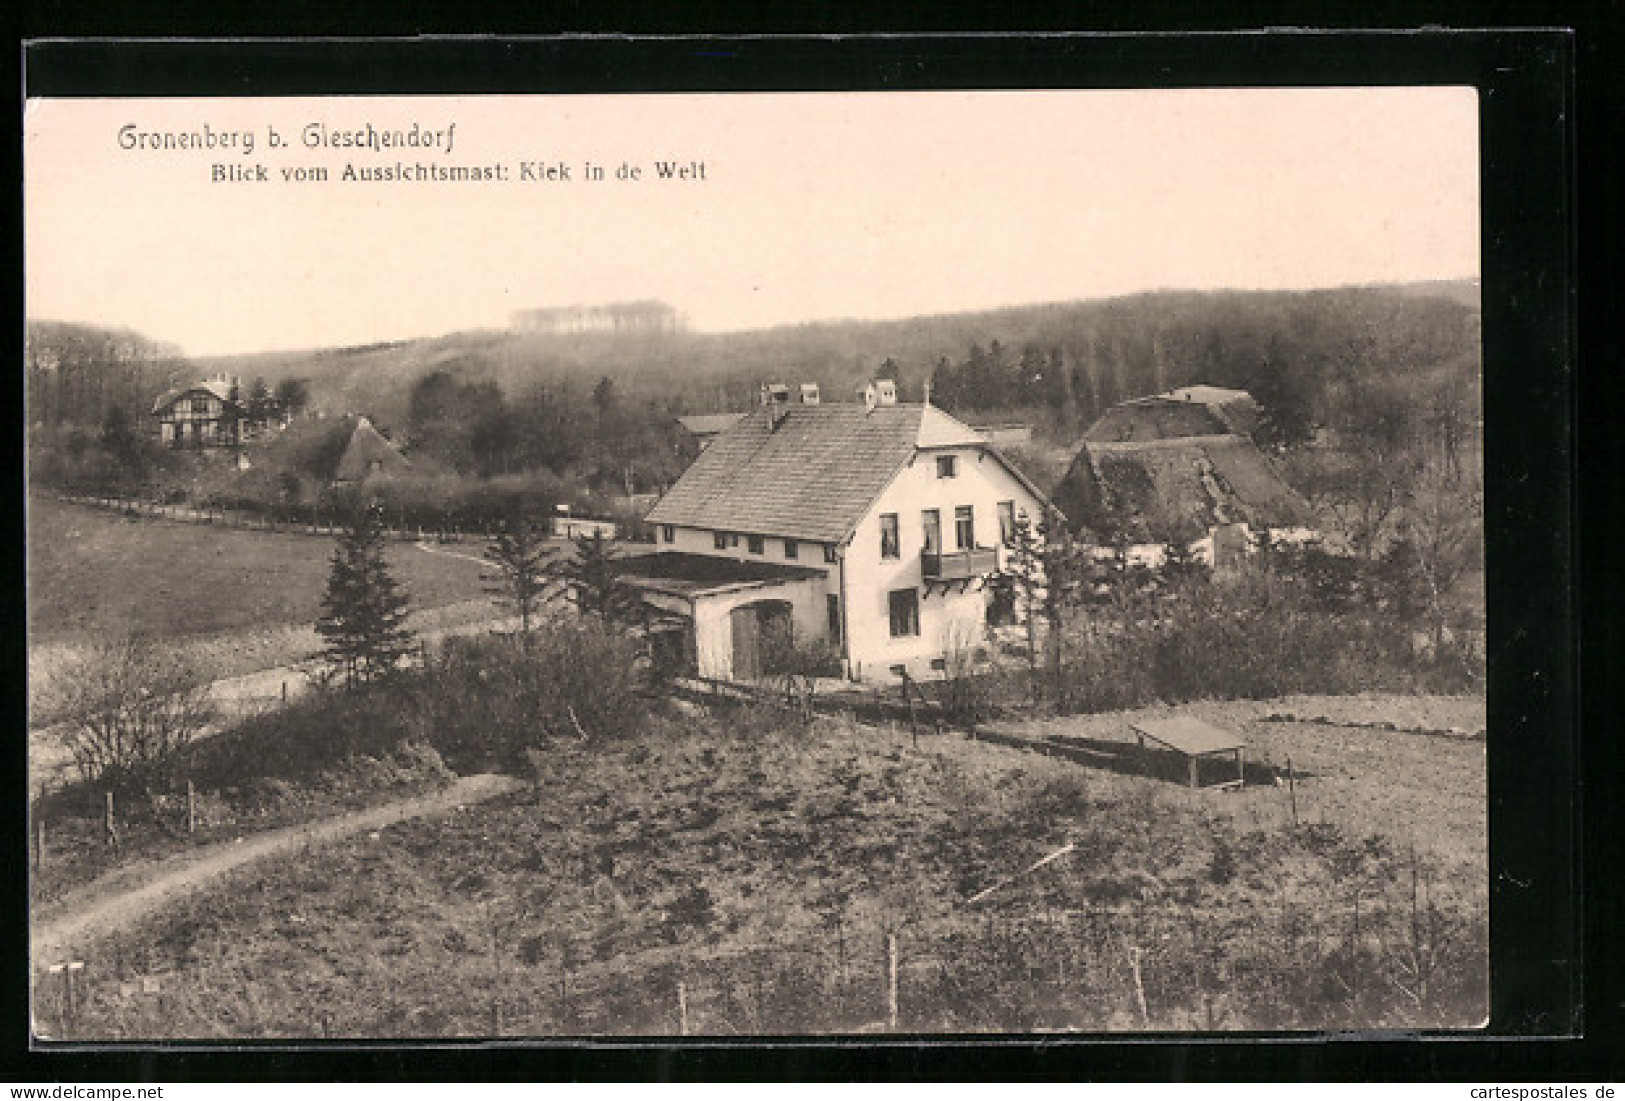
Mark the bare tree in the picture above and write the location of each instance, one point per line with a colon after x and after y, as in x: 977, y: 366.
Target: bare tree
x: 133, y: 706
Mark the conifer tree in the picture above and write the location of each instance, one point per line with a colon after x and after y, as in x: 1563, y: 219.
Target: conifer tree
x: 519, y: 553
x: 595, y: 584
x: 363, y: 611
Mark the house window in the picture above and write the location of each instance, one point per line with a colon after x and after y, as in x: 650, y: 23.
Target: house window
x: 889, y: 547
x: 733, y: 540
x: 1007, y: 522
x: 904, y: 605
x: 719, y: 540
x: 200, y: 405
x: 931, y: 525
x: 964, y: 527
x: 832, y: 605
x: 829, y: 552
x: 791, y: 548
x: 755, y: 544
x: 947, y: 466
x: 668, y: 533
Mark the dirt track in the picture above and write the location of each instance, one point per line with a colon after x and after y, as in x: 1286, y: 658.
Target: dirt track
x: 125, y: 897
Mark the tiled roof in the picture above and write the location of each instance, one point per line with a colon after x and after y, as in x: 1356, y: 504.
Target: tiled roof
x: 810, y: 477
x: 814, y: 474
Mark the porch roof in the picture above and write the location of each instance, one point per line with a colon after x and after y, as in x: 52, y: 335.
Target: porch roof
x: 691, y: 575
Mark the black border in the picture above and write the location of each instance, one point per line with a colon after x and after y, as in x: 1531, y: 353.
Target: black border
x: 1527, y: 102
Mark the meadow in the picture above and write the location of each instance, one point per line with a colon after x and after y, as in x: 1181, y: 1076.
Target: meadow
x: 237, y: 601
x: 733, y: 873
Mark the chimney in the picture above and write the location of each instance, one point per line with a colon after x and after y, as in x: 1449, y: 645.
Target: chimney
x: 885, y: 391
x: 869, y: 396
x: 809, y: 393
x: 776, y: 397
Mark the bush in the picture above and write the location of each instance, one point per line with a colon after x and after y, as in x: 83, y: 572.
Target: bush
x: 488, y: 700
x: 133, y: 708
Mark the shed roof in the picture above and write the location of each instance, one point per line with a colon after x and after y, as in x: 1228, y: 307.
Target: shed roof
x: 1158, y: 491
x: 808, y: 471
x: 691, y: 574
x: 1189, y: 736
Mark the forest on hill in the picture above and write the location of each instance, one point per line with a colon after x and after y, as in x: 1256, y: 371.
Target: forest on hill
x: 596, y: 409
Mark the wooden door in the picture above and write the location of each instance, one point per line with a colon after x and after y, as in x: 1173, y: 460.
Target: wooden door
x: 747, y: 636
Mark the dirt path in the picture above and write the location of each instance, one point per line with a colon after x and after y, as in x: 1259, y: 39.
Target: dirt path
x: 124, y: 897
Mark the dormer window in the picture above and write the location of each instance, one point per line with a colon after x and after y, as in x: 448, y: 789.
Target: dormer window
x: 947, y: 466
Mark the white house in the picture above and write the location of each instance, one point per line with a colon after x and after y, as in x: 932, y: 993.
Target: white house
x: 873, y: 525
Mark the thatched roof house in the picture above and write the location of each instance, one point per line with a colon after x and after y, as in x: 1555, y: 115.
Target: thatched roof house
x: 1188, y: 411
x: 1176, y: 490
x: 367, y: 454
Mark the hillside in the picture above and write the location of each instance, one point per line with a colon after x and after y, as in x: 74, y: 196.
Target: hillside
x: 1113, y: 348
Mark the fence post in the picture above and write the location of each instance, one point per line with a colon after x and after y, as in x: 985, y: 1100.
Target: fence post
x: 110, y: 824
x: 891, y: 980
x: 39, y: 836
x: 682, y: 1009
x: 191, y: 807
x: 1139, y: 985
x: 1292, y: 790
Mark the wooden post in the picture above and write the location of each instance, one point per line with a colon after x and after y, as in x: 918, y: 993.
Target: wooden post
x: 1193, y: 770
x: 284, y: 693
x: 682, y: 1009
x: 67, y: 980
x: 1292, y: 789
x: 109, y: 824
x: 1241, y: 769
x: 891, y: 980
x: 39, y: 837
x: 191, y: 807
x: 1139, y: 985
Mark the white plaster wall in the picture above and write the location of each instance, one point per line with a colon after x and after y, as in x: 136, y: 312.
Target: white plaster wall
x: 713, y: 628
x: 981, y: 482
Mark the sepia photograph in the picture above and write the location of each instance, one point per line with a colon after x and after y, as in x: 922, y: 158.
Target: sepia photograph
x: 736, y: 565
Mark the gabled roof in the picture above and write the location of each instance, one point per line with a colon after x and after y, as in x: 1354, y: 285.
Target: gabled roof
x: 215, y: 387
x: 709, y: 424
x: 812, y: 475
x: 365, y: 448
x: 1159, y: 491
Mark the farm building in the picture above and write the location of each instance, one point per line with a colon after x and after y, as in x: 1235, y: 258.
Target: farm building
x: 1189, y: 411
x: 368, y: 454
x: 1210, y: 493
x: 705, y: 427
x: 872, y: 526
x: 207, y: 414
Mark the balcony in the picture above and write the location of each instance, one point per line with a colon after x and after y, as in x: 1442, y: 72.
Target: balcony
x: 965, y: 565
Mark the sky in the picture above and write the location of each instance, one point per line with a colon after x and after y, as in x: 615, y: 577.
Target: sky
x: 811, y: 206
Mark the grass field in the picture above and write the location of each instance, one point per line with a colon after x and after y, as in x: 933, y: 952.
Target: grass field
x: 237, y: 601
x: 94, y: 573
x: 750, y: 877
